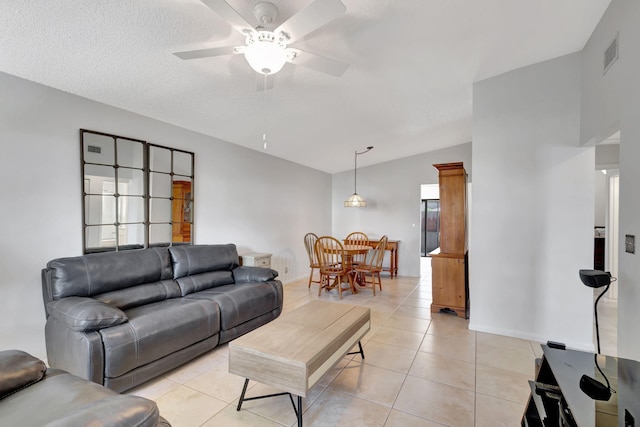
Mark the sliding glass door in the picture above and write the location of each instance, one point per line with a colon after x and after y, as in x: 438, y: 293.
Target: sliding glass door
x: 430, y: 226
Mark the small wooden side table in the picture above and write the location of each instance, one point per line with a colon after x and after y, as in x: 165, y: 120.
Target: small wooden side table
x: 257, y: 260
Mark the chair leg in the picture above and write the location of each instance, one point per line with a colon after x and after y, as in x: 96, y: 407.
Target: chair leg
x: 363, y: 278
x: 310, y: 277
x: 373, y: 283
x: 321, y: 283
x: 352, y: 285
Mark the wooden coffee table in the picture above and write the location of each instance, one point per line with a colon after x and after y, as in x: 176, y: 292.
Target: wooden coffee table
x: 294, y: 351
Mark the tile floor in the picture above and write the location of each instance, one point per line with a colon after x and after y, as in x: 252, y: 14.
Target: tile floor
x: 608, y: 322
x: 419, y: 370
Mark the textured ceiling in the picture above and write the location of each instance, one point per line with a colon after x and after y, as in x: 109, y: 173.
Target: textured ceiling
x: 407, y: 89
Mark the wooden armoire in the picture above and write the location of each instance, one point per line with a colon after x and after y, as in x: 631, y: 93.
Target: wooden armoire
x: 449, y: 262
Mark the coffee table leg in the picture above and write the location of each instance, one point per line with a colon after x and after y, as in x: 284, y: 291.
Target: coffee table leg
x: 244, y: 390
x: 361, y: 352
x: 297, y: 410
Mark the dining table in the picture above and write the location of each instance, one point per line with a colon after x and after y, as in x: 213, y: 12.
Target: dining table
x: 350, y: 251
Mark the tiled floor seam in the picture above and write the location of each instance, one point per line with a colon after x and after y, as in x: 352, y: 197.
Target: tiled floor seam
x: 407, y: 375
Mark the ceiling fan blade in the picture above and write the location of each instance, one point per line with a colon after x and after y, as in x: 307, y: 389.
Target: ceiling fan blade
x: 207, y: 53
x: 229, y: 14
x: 312, y: 17
x: 318, y: 63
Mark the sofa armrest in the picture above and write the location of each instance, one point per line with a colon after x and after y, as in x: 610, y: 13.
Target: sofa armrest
x: 253, y: 274
x: 18, y: 370
x: 85, y: 314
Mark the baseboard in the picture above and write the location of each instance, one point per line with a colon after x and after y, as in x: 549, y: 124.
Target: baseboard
x: 295, y: 279
x: 575, y: 345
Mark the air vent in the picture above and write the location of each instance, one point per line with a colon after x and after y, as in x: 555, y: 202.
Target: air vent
x: 611, y: 54
x: 94, y: 149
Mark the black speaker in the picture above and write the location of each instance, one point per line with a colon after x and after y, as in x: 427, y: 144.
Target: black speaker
x: 594, y: 389
x: 595, y: 278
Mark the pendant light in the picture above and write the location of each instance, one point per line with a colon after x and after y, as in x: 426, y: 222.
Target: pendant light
x: 355, y: 201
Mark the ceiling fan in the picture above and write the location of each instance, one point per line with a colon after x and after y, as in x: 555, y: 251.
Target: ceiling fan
x: 267, y: 49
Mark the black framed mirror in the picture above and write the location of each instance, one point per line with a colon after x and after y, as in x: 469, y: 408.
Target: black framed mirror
x: 170, y: 195
x: 135, y: 194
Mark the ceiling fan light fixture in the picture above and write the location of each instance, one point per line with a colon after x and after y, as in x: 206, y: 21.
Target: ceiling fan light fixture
x: 266, y: 45
x: 266, y: 52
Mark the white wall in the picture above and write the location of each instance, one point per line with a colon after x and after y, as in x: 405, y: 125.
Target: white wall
x: 242, y: 196
x: 430, y: 191
x: 392, y: 191
x: 532, y: 226
x: 601, y: 183
x: 607, y: 156
x: 611, y: 102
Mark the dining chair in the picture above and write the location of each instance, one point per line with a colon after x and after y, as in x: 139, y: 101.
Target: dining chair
x: 310, y: 245
x: 372, y: 265
x: 360, y: 239
x: 333, y: 271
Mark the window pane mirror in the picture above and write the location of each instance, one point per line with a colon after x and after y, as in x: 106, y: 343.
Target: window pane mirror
x: 135, y: 194
x: 170, y: 191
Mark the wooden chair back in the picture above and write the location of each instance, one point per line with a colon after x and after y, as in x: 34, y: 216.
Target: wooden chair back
x: 310, y: 240
x: 376, y: 263
x: 373, y: 266
x: 330, y: 253
x: 333, y: 271
x: 357, y: 238
x: 310, y: 245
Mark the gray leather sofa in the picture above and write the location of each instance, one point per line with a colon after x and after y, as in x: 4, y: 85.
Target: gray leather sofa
x: 32, y: 395
x: 122, y: 318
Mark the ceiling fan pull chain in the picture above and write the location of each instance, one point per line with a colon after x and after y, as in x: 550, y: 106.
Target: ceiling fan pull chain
x: 266, y: 109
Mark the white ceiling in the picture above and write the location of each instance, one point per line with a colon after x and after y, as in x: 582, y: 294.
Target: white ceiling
x: 407, y: 90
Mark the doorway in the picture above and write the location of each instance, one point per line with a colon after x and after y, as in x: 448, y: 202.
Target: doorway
x: 613, y: 235
x: 428, y: 192
x: 429, y: 226
x: 606, y: 237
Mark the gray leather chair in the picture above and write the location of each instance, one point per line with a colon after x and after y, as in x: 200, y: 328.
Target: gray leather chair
x: 32, y: 395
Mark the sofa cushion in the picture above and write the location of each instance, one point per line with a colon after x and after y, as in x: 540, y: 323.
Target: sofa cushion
x: 96, y: 274
x: 85, y: 314
x: 242, y: 302
x: 192, y: 260
x: 17, y: 370
x: 202, y: 281
x: 157, y: 330
x: 253, y: 274
x: 141, y: 295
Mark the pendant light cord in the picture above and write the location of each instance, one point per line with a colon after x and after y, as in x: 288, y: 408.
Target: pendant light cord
x: 355, y: 167
x: 355, y: 173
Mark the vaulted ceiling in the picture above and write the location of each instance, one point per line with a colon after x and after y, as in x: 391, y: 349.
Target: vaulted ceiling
x: 407, y: 90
